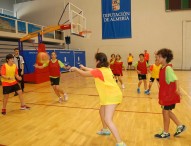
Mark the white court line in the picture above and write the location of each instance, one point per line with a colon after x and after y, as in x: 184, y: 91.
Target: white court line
x: 185, y: 92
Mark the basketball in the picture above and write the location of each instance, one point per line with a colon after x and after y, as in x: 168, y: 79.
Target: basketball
x: 42, y: 57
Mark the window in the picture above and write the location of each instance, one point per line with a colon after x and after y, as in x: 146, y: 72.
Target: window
x: 173, y: 5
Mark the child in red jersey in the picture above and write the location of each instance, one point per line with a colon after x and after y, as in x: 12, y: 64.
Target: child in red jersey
x: 169, y: 93
x: 111, y: 62
x: 142, y: 67
x: 9, y: 74
x: 117, y: 71
x: 54, y: 66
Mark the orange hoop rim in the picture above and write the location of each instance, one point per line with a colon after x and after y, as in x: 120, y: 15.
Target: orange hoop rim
x: 84, y: 32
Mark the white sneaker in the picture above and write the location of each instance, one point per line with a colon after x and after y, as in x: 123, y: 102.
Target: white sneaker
x: 60, y: 100
x: 65, y: 97
x: 123, y: 86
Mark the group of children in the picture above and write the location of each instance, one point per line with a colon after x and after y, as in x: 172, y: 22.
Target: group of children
x: 108, y: 90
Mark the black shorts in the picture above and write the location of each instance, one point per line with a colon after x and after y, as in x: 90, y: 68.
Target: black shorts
x: 10, y: 89
x: 152, y: 79
x: 129, y: 63
x: 55, y: 81
x: 142, y: 77
x: 168, y: 107
x: 117, y: 75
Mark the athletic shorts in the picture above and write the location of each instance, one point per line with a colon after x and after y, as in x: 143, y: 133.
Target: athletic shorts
x: 117, y: 75
x: 168, y: 107
x: 55, y: 81
x: 152, y: 79
x: 129, y: 63
x: 142, y: 77
x: 10, y: 89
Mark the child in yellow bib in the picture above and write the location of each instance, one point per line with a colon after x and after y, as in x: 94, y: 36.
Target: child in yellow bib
x: 154, y: 69
x: 109, y: 93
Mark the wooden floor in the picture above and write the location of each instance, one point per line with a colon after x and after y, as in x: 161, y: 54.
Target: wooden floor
x: 75, y: 123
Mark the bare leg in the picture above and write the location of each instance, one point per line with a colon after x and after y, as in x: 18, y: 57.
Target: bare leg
x: 166, y: 120
x: 59, y: 90
x: 5, y: 100
x: 150, y: 85
x: 145, y: 84
x: 120, y: 80
x: 158, y: 84
x: 174, y: 118
x: 102, y: 115
x: 109, y: 112
x: 139, y: 84
x: 19, y: 92
x: 56, y: 91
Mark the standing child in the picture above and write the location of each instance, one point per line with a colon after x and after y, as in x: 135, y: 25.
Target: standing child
x: 112, y: 60
x: 129, y: 61
x: 169, y: 93
x: 9, y: 72
x: 54, y: 66
x: 118, y: 66
x: 141, y: 67
x: 155, y: 69
x: 109, y: 93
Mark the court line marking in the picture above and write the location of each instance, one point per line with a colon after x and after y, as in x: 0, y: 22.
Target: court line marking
x: 88, y: 108
x: 185, y: 93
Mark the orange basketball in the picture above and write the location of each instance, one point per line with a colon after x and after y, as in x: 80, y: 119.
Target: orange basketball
x: 42, y: 57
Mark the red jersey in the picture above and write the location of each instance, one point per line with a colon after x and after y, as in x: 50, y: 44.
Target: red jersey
x: 167, y: 92
x: 118, y: 66
x: 54, y: 69
x: 142, y: 67
x: 146, y: 55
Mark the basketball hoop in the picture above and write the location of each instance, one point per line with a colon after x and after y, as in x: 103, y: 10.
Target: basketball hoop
x: 85, y: 33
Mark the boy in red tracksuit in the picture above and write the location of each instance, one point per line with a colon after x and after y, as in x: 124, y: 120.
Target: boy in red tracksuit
x: 169, y: 93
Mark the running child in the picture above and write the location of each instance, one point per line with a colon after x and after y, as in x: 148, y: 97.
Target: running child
x: 109, y: 93
x: 54, y: 66
x: 141, y: 67
x: 169, y: 94
x: 9, y: 72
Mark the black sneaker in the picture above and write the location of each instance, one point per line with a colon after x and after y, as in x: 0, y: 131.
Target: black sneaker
x: 179, y: 130
x: 162, y: 135
x: 15, y: 94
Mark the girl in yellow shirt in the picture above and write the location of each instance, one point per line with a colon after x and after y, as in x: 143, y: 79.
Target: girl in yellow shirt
x: 154, y: 70
x: 129, y: 61
x: 109, y: 93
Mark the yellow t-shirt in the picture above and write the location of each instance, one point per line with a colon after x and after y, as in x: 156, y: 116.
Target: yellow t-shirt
x: 108, y: 90
x: 130, y: 59
x: 155, y: 71
x: 9, y: 71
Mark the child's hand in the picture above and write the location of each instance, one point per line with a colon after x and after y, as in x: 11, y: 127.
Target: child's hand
x: 139, y: 72
x: 67, y: 67
x: 178, y: 92
x: 73, y: 69
x: 81, y: 66
x: 35, y: 65
x: 19, y: 78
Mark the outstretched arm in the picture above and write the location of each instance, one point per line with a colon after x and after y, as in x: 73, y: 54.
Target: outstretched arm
x: 85, y: 68
x: 37, y: 66
x: 81, y: 72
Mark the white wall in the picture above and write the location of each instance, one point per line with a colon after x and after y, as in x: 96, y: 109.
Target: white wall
x: 7, y: 4
x: 152, y: 27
